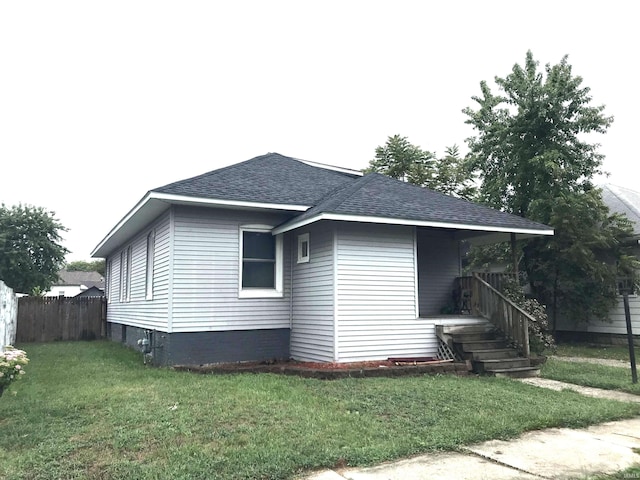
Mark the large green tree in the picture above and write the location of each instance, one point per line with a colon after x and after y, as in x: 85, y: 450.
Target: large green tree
x: 400, y: 159
x: 31, y: 253
x: 82, y: 266
x: 534, y: 158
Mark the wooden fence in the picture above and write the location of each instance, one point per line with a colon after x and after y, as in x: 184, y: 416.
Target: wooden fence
x: 58, y: 318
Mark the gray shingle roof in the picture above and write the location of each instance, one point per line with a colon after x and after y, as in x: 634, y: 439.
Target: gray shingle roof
x: 270, y: 178
x: 376, y: 195
x: 89, y: 279
x: 623, y: 200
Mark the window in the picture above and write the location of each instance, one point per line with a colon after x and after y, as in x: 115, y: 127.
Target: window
x: 151, y: 247
x: 303, y: 248
x: 260, y: 262
x: 125, y: 274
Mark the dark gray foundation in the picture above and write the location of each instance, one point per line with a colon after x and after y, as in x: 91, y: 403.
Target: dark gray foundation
x: 200, y: 348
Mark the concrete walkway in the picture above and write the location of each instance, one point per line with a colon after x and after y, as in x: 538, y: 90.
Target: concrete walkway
x: 555, y: 453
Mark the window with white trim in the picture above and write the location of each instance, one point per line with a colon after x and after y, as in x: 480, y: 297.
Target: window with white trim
x: 151, y: 247
x: 303, y: 248
x: 260, y: 262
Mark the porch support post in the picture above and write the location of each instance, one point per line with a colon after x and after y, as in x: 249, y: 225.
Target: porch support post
x: 514, y: 255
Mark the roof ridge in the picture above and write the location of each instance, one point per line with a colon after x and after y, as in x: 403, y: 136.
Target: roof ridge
x: 339, y: 195
x: 216, y: 171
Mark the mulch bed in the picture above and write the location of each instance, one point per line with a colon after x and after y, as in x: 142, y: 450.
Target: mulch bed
x: 331, y: 371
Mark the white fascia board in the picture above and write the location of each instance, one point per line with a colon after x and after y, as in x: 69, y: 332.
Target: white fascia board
x: 153, y: 197
x: 119, y: 225
x: 181, y: 199
x: 401, y: 221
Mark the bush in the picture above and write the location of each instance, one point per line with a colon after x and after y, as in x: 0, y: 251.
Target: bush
x: 540, y: 338
x: 12, y: 362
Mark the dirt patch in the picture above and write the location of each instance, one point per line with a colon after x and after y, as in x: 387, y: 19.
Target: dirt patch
x: 330, y: 371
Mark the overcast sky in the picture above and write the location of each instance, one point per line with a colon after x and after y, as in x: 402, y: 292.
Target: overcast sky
x: 102, y: 101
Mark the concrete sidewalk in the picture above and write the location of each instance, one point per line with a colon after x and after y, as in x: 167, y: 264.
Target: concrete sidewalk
x: 556, y: 453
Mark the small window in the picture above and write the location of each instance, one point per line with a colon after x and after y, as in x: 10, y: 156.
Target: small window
x: 260, y: 262
x: 303, y: 248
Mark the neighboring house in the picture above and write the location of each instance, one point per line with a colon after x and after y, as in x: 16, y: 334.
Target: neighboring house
x: 74, y: 283
x: 614, y: 329
x: 278, y: 257
x: 91, y: 292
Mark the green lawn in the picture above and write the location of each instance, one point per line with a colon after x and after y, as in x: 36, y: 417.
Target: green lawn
x: 590, y: 375
x: 612, y: 352
x: 93, y: 410
x: 627, y: 474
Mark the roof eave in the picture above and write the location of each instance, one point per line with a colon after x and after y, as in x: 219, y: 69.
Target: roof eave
x: 154, y: 203
x: 293, y: 224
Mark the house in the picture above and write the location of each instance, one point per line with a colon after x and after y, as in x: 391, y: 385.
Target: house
x: 73, y: 283
x: 91, y: 292
x: 279, y: 257
x: 614, y: 328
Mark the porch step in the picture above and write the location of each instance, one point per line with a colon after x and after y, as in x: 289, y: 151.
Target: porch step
x: 520, y: 372
x: 494, y: 344
x: 494, y: 365
x: 474, y: 336
x: 491, y: 354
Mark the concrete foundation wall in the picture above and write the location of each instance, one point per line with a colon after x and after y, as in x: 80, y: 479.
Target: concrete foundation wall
x: 198, y: 348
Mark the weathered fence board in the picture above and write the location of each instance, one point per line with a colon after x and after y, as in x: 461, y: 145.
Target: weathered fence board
x: 8, y: 315
x: 58, y: 318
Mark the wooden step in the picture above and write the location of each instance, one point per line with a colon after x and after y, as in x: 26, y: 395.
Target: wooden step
x: 493, y: 354
x: 483, y: 366
x: 519, y: 372
x: 474, y: 336
x: 483, y: 345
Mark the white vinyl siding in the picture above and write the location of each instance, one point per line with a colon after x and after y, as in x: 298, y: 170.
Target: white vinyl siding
x: 438, y: 266
x: 617, y: 323
x: 206, y: 273
x: 138, y: 311
x: 376, y: 295
x: 312, y: 326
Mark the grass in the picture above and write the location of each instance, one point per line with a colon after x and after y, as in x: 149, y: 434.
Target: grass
x: 590, y: 375
x: 92, y: 410
x: 627, y: 474
x: 611, y: 352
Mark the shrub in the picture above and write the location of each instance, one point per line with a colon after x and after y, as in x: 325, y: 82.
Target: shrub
x: 540, y: 339
x: 12, y: 362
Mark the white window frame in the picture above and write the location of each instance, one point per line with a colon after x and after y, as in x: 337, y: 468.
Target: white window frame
x: 151, y: 250
x: 302, y: 239
x: 276, y: 292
